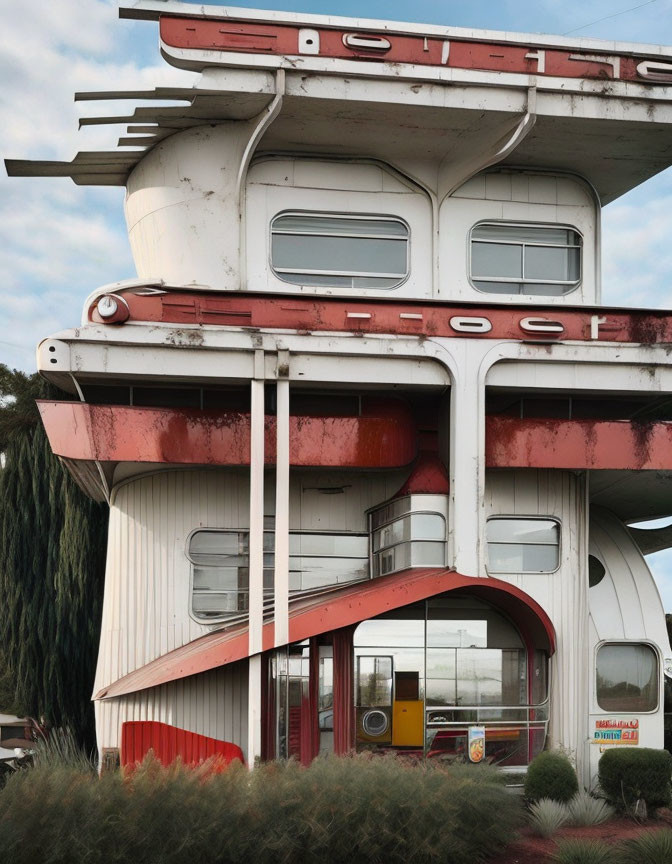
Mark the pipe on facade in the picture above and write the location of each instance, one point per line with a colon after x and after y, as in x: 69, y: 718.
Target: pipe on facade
x: 103, y: 479
x: 264, y: 120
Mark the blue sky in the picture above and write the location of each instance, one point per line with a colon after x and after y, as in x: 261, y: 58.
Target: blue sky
x: 59, y: 241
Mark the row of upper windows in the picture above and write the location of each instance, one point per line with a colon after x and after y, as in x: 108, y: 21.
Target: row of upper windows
x: 367, y: 251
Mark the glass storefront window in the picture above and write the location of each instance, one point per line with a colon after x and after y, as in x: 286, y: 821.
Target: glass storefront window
x: 468, y: 665
x: 627, y: 677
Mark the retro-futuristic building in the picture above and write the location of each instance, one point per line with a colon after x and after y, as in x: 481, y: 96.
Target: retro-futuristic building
x: 373, y: 450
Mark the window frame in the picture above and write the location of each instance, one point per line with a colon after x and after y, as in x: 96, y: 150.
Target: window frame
x: 659, y: 668
x: 331, y: 214
x: 505, y: 223
x: 522, y: 517
x: 225, y: 616
x: 230, y: 616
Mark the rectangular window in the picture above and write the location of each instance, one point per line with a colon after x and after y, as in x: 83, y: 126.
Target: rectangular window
x: 220, y: 561
x: 525, y: 259
x: 324, y: 250
x: 627, y: 677
x: 220, y: 575
x: 523, y: 545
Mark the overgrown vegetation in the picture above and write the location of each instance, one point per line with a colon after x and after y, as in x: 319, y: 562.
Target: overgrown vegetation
x: 339, y: 810
x: 651, y: 847
x: 584, y: 810
x: 630, y: 775
x: 576, y: 851
x: 546, y: 816
x: 551, y: 775
x: 52, y: 547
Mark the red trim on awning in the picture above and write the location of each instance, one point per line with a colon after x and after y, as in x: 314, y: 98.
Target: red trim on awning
x: 384, y: 436
x: 512, y: 442
x: 341, y: 608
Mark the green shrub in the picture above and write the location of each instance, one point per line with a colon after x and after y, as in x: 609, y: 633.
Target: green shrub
x: 546, y: 816
x: 630, y: 774
x: 651, y: 847
x: 373, y: 809
x: 551, y: 775
x: 576, y: 851
x: 584, y: 810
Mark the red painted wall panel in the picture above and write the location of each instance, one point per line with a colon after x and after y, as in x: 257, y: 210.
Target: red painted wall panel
x: 272, y: 311
x: 138, y: 737
x: 385, y: 438
x: 217, y: 34
x: 625, y: 445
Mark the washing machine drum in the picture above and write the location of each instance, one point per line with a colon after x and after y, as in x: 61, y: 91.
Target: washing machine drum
x: 375, y: 723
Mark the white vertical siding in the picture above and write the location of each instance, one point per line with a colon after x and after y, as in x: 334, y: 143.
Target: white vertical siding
x: 213, y: 704
x: 147, y: 581
x: 563, y: 594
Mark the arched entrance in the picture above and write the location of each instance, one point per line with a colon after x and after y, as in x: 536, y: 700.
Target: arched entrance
x: 422, y: 679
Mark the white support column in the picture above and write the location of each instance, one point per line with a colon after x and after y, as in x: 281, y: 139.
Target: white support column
x: 281, y: 580
x: 256, y: 558
x: 467, y: 463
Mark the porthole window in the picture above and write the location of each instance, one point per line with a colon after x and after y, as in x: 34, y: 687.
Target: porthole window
x: 596, y: 571
x: 525, y: 259
x: 340, y: 251
x: 627, y: 677
x: 523, y: 545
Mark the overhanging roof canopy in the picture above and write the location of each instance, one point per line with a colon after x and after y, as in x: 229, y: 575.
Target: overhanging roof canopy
x: 342, y: 607
x: 595, y: 117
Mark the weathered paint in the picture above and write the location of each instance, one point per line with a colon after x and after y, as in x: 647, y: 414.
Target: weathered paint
x: 341, y: 608
x: 169, y: 743
x: 258, y: 38
x: 627, y: 445
x: 385, y: 438
x: 274, y: 311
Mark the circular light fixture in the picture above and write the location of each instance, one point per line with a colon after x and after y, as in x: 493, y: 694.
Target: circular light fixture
x: 107, y: 306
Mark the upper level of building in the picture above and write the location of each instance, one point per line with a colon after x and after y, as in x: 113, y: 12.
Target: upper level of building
x: 331, y: 156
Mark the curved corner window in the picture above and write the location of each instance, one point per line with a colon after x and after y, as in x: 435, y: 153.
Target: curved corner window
x: 523, y: 545
x: 220, y: 574
x: 525, y: 259
x: 627, y: 677
x: 338, y: 251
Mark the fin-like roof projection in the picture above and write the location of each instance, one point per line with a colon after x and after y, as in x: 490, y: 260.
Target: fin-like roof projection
x: 601, y: 118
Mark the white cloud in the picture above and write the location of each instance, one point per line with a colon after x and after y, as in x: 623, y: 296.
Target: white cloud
x: 636, y: 249
x: 59, y: 241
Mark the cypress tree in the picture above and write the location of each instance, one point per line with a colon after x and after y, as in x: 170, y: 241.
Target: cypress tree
x: 52, y: 553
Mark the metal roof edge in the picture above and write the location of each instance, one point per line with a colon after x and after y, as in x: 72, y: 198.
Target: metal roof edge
x: 151, y: 10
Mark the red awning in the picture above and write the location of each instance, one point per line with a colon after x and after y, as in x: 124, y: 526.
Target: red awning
x: 311, y: 616
x: 622, y: 445
x: 382, y: 436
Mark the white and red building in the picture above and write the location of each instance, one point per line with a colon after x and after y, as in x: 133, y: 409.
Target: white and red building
x: 371, y: 444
